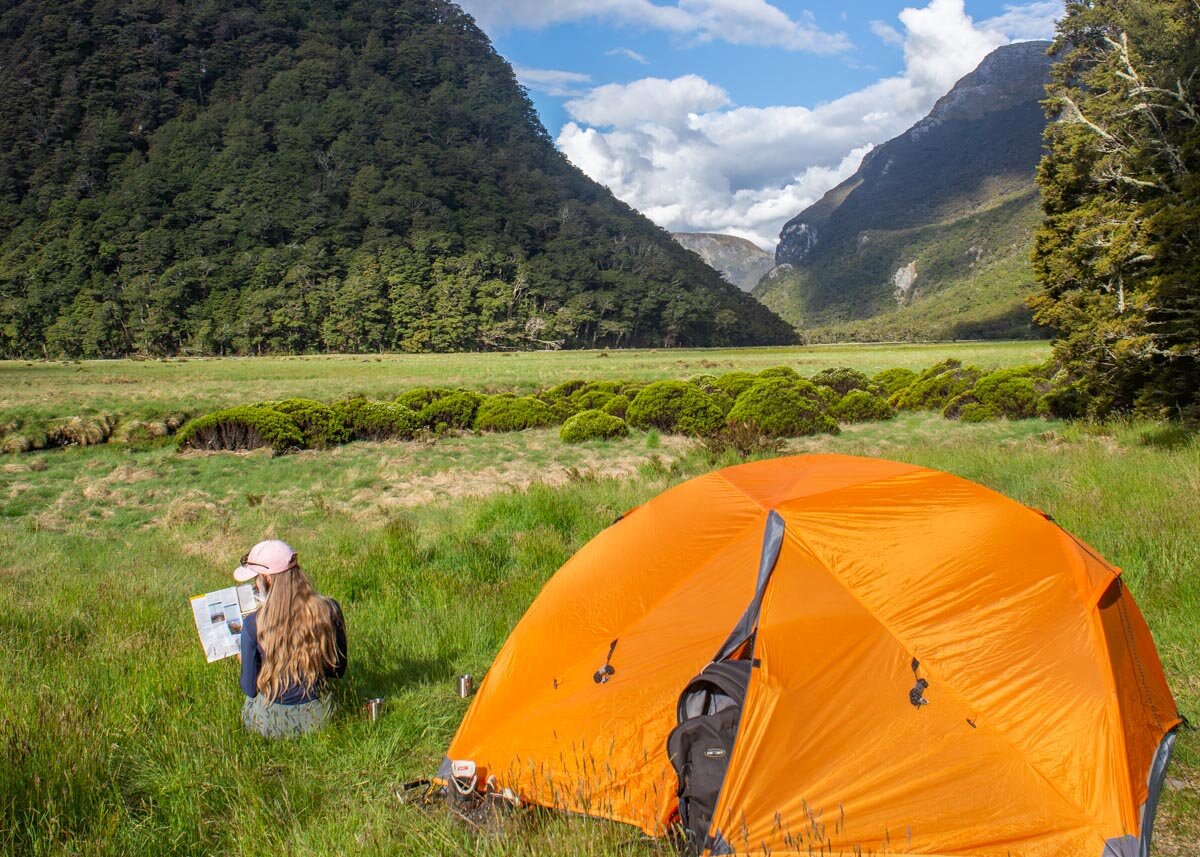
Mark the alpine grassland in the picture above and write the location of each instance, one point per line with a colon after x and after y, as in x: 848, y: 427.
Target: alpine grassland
x: 117, y: 738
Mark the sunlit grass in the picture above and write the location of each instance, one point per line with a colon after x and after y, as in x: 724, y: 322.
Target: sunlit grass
x: 152, y: 388
x: 117, y: 738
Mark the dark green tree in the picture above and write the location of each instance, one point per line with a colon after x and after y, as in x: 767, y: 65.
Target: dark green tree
x: 1118, y: 256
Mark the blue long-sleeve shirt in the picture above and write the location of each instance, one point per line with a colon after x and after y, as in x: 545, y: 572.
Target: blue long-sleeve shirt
x: 252, y: 660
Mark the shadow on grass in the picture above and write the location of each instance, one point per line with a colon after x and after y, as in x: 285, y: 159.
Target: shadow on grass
x: 374, y: 680
x: 1169, y: 436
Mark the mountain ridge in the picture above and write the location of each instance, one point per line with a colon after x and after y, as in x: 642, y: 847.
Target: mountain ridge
x: 739, y: 260
x: 930, y: 236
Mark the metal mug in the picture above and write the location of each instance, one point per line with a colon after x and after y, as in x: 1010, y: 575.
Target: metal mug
x: 374, y: 708
x: 465, y: 685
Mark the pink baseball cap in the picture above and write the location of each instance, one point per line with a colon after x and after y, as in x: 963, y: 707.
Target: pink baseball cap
x: 269, y: 557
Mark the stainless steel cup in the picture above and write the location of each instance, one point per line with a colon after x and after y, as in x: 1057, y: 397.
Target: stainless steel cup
x: 374, y: 708
x: 465, y: 685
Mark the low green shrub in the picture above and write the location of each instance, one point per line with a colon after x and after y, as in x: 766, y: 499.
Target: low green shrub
x: 418, y: 397
x: 677, y: 407
x: 861, y: 406
x: 455, y: 411
x: 591, y: 425
x: 617, y: 406
x: 562, y: 409
x: 586, y: 400
x: 242, y: 427
x: 563, y: 390
x: 321, y: 425
x: 936, y: 386
x: 733, y: 384
x: 1004, y: 394
x: 365, y: 419
x: 785, y: 372
x: 828, y: 396
x: 506, y: 412
x: 779, y: 407
x: 841, y: 379
x: 892, y: 381
x: 1064, y: 401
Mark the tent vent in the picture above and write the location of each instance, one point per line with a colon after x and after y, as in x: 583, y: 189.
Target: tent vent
x: 917, y: 695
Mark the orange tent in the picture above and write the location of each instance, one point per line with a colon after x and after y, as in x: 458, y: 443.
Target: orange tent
x: 1049, y: 721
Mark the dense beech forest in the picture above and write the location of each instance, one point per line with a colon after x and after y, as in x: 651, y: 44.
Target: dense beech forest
x: 221, y: 177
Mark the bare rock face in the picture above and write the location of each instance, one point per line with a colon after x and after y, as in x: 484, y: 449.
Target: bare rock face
x: 739, y: 261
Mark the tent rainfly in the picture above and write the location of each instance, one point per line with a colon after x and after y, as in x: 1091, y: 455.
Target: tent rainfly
x: 933, y: 668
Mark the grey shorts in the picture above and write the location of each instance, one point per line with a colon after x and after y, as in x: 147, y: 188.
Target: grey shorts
x: 275, y: 720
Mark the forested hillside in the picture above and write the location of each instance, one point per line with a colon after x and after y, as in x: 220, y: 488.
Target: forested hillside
x: 301, y: 175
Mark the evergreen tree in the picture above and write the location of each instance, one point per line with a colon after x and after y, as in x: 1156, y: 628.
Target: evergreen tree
x: 1118, y: 256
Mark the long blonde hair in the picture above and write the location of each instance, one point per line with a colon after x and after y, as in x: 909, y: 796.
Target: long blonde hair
x: 296, y: 634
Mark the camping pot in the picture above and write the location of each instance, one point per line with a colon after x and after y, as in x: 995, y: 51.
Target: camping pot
x: 466, y: 685
x: 374, y: 708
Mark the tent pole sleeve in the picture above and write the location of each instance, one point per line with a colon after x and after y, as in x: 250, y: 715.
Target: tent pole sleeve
x: 772, y: 542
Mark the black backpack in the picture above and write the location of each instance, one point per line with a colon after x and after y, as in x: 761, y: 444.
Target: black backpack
x: 710, y: 708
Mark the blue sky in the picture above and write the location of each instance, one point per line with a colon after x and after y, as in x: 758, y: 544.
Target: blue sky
x: 734, y: 115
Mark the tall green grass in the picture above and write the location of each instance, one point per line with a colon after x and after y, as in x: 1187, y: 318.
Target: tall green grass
x: 117, y: 738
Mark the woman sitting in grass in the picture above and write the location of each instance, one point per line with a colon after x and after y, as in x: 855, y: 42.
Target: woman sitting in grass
x: 290, y: 646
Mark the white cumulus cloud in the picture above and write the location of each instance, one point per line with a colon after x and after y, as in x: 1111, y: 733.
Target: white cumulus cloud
x: 739, y: 22
x: 679, y: 151
x: 651, y: 98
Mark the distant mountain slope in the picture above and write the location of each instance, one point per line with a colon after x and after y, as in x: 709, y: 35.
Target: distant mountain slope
x: 739, y: 261
x: 930, y: 238
x: 296, y: 175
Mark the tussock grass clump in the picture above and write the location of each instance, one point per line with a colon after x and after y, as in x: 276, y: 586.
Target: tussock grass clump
x: 244, y: 427
x: 742, y: 440
x: 780, y: 407
x: 506, y: 412
x: 368, y: 420
x: 80, y: 431
x: 861, y: 406
x: 677, y: 407
x: 591, y: 425
x: 139, y: 431
x: 25, y: 440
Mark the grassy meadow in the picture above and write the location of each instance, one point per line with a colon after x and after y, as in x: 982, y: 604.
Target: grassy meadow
x: 148, y: 388
x: 117, y: 738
